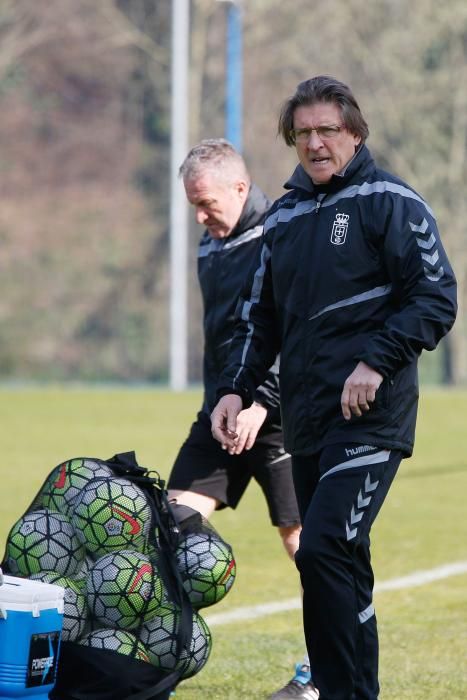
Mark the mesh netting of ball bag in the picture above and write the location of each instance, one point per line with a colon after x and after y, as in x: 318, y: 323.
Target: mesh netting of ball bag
x: 137, y: 572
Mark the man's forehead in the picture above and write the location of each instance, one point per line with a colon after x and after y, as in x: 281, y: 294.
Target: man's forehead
x: 318, y: 110
x: 206, y: 184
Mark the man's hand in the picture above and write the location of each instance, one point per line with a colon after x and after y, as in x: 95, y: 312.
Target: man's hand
x: 224, y: 421
x: 360, y: 390
x: 249, y: 421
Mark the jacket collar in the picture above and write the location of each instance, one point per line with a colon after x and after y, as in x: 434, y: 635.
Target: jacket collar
x: 253, y: 212
x: 361, y: 163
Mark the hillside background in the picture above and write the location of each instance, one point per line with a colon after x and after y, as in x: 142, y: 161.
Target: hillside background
x: 84, y: 157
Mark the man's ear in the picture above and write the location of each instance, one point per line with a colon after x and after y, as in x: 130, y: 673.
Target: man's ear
x: 242, y: 188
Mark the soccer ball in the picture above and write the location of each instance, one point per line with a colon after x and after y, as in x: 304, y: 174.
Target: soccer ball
x: 42, y: 540
x: 123, y: 589
x: 65, y: 482
x: 116, y: 640
x: 207, y: 567
x: 112, y: 514
x: 159, y: 636
x: 75, y: 609
x: 81, y: 574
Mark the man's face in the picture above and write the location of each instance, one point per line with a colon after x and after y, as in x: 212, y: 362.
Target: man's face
x: 322, y: 157
x: 218, y: 205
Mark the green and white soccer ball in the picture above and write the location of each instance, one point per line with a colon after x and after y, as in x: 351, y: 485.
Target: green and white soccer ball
x: 159, y: 636
x: 123, y: 589
x: 75, y: 609
x: 81, y: 575
x: 43, y: 540
x: 116, y: 640
x: 207, y: 567
x: 112, y: 514
x: 65, y: 482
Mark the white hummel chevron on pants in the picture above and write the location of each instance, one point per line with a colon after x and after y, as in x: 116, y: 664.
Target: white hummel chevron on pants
x: 339, y: 493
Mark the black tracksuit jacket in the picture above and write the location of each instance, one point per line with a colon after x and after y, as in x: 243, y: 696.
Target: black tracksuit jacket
x: 223, y: 266
x: 352, y: 270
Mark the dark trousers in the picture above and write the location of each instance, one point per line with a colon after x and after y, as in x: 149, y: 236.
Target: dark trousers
x: 340, y: 492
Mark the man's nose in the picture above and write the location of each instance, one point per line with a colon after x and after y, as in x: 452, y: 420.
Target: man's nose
x: 314, y: 141
x: 200, y: 216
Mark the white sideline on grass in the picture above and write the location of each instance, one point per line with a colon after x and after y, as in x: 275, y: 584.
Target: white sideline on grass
x: 418, y: 578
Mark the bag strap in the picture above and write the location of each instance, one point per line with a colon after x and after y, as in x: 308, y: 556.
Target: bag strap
x: 154, y: 692
x: 126, y: 463
x: 169, y: 532
x: 168, y: 537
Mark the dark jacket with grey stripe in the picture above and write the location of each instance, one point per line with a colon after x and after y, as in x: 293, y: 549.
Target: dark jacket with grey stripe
x: 223, y: 266
x: 353, y: 270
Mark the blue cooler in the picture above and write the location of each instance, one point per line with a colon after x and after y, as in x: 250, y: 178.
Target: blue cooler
x: 31, y: 617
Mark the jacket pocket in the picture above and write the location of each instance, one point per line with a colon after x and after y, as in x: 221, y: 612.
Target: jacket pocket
x: 384, y: 394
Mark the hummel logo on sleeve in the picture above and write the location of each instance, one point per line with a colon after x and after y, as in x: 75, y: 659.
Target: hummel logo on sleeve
x: 426, y: 241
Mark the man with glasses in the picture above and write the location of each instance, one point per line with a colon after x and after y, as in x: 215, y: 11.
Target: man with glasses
x: 352, y: 285
x: 204, y: 477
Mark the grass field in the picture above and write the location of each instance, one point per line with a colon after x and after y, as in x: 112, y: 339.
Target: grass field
x: 423, y: 525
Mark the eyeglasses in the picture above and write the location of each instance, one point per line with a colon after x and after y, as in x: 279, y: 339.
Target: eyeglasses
x: 324, y: 133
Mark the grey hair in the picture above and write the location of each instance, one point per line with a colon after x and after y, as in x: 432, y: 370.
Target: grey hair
x: 214, y: 155
x: 323, y: 88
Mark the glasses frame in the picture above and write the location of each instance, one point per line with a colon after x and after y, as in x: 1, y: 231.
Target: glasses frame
x: 305, y: 133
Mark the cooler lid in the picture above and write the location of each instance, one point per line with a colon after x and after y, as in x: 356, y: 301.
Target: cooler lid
x: 26, y: 595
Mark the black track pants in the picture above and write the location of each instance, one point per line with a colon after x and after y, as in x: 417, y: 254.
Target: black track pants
x: 339, y: 493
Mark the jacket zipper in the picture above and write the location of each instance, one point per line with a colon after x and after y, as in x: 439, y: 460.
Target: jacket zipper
x: 319, y: 201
